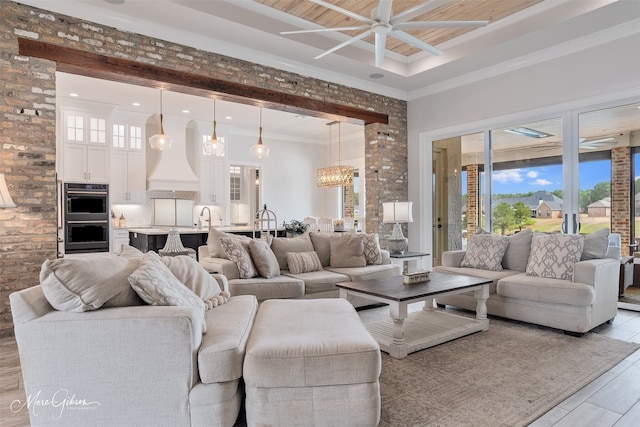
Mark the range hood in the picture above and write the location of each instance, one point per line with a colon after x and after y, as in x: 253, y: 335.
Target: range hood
x: 170, y: 169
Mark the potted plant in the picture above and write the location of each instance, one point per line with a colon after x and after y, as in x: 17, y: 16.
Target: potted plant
x: 294, y: 227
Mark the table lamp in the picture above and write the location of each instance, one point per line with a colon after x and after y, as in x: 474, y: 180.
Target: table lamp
x: 396, y: 213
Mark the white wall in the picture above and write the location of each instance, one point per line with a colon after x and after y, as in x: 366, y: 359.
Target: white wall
x: 604, y: 73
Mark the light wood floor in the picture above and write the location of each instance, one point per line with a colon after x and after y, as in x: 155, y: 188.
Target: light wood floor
x: 611, y: 400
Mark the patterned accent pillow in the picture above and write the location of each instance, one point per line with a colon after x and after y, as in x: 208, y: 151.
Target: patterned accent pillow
x: 554, y: 256
x: 372, y: 251
x: 156, y: 285
x: 238, y: 252
x: 485, y: 252
x: 213, y: 242
x: 303, y: 262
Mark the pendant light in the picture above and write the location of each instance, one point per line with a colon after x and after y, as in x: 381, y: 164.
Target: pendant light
x: 260, y: 150
x: 160, y: 141
x: 211, y: 145
x: 334, y: 176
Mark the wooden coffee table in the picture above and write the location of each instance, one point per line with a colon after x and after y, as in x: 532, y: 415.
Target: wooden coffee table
x: 405, y: 333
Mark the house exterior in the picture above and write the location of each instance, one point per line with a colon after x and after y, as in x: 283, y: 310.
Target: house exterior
x: 543, y: 204
x: 601, y: 208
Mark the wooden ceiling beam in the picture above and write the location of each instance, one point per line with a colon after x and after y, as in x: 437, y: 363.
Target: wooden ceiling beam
x: 90, y: 64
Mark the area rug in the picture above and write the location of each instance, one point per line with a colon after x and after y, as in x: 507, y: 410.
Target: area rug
x: 631, y: 299
x: 506, y: 376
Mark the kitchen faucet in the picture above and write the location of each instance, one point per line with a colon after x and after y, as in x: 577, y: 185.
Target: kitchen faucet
x: 208, y: 210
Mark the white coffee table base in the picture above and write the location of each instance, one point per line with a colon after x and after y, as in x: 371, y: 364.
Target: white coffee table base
x: 404, y: 333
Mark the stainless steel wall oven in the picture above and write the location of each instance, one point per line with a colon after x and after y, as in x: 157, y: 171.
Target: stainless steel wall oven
x: 86, y: 218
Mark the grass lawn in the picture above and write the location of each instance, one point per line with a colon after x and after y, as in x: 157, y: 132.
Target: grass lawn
x: 587, y: 225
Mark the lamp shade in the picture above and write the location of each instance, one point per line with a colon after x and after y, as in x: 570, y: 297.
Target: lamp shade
x: 394, y: 212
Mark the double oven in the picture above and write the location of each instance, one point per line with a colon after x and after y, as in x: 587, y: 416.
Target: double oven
x: 86, y: 218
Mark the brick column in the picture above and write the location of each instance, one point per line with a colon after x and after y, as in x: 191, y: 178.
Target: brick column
x: 621, y: 195
x: 472, y: 199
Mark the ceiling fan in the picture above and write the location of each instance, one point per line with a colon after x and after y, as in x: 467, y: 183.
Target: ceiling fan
x: 382, y: 24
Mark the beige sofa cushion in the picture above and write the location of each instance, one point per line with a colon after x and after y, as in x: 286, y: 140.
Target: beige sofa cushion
x: 369, y: 272
x: 541, y: 289
x: 281, y: 246
x: 263, y: 289
x: 319, y: 281
x: 222, y: 350
x: 554, y: 255
x: 518, y: 249
x: 305, y: 343
x: 347, y: 251
x: 263, y: 258
x: 322, y: 246
x: 494, y: 276
x: 84, y: 284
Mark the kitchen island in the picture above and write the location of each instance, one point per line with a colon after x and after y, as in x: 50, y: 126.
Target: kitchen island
x: 147, y: 239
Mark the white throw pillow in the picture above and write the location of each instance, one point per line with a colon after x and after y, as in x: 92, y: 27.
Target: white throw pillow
x: 485, y: 251
x: 554, y: 255
x: 156, y: 285
x: 595, y: 245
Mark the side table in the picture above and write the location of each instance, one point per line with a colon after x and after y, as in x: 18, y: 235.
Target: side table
x: 408, y: 260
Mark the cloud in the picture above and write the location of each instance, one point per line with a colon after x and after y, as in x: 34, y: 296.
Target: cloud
x: 540, y: 181
x: 504, y: 177
x: 533, y: 174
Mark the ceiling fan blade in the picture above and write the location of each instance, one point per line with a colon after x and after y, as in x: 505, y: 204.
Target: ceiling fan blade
x: 324, y: 30
x: 412, y: 12
x: 383, y: 11
x: 414, y: 41
x: 343, y: 44
x: 343, y: 11
x: 439, y: 24
x: 381, y: 41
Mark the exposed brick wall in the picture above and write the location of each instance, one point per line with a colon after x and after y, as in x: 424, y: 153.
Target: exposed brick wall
x: 472, y: 199
x: 28, y: 232
x: 621, y: 194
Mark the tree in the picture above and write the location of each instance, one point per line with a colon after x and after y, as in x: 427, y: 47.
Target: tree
x: 600, y: 191
x: 521, y: 215
x: 585, y: 199
x: 503, y: 217
x: 557, y: 193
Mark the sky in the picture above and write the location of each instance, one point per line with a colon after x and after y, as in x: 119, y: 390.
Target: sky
x: 524, y: 180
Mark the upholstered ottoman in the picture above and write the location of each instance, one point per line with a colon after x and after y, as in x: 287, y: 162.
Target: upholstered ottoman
x: 311, y: 363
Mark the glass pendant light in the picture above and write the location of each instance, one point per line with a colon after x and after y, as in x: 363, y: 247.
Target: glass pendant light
x: 260, y: 150
x: 160, y: 141
x: 211, y: 145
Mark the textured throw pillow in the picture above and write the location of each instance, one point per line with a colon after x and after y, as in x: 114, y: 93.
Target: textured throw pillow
x: 595, y: 245
x: 372, y: 252
x: 238, y: 251
x: 347, y: 251
x: 281, y: 246
x: 554, y: 255
x: 84, y: 284
x: 213, y: 242
x: 156, y: 285
x: 303, y: 262
x: 264, y: 259
x: 192, y: 275
x: 322, y: 246
x: 131, y: 253
x: 485, y: 251
x: 517, y: 254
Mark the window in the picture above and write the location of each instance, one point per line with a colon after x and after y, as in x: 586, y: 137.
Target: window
x: 118, y: 136
x: 97, y: 130
x: 548, y: 213
x: 235, y: 183
x: 135, y: 137
x: 75, y: 128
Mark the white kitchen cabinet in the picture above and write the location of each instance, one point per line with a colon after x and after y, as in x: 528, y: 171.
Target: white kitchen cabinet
x: 128, y: 177
x: 85, y: 163
x: 119, y: 236
x: 214, y: 181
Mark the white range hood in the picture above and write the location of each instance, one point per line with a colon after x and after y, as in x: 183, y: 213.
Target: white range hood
x: 170, y: 170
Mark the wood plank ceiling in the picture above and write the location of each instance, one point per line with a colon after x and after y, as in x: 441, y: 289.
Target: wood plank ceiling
x: 456, y: 10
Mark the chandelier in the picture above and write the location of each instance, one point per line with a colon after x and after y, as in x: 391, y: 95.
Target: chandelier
x: 334, y: 176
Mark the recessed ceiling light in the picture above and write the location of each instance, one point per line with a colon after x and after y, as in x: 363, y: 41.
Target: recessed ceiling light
x: 73, y: 94
x: 376, y: 75
x: 185, y: 111
x: 531, y: 133
x: 114, y: 1
x: 228, y: 117
x: 135, y: 104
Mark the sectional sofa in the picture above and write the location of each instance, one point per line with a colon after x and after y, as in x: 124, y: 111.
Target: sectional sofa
x: 560, y: 281
x: 308, y: 266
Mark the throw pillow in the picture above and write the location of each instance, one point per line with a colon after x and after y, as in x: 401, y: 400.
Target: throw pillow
x: 281, y: 246
x: 517, y: 254
x: 238, y: 252
x: 485, y: 251
x: 347, y: 251
x: 554, y: 255
x: 213, y: 242
x: 303, y: 262
x: 85, y: 284
x: 156, y: 285
x: 192, y: 275
x: 322, y: 246
x: 595, y: 245
x: 372, y: 252
x: 131, y: 253
x: 264, y: 259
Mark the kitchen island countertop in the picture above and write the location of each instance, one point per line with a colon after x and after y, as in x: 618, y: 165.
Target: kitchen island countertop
x: 190, y: 230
